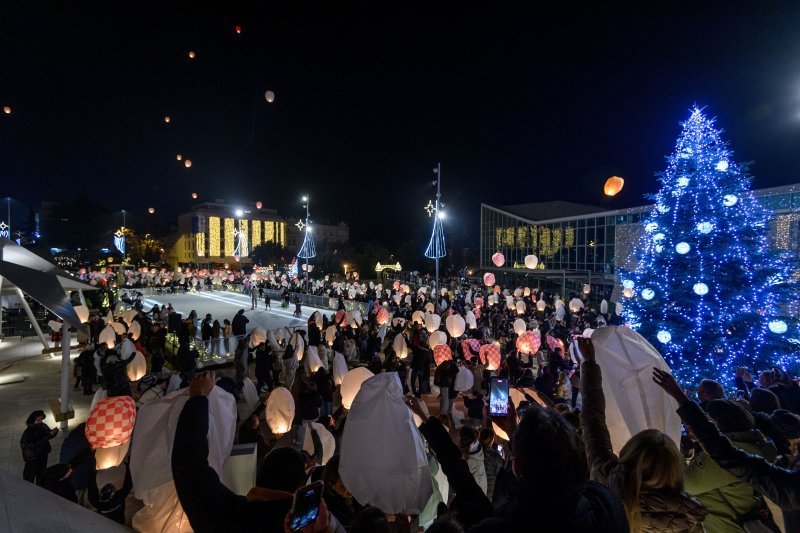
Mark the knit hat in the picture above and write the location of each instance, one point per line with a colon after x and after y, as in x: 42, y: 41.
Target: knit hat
x: 785, y: 423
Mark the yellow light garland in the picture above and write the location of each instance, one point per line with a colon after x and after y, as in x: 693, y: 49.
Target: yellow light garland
x: 214, y: 240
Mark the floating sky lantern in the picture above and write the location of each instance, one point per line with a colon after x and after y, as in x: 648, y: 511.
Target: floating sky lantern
x: 187, y: 163
x: 432, y: 322
x: 167, y: 119
x: 238, y: 29
x: 259, y: 205
x: 179, y: 157
x: 7, y: 110
x: 437, y: 338
x: 490, y: 356
x: 151, y: 210
x: 531, y: 261
x: 192, y: 55
x: 269, y: 96
x: 498, y: 259
x: 529, y: 342
x: 488, y: 279
x: 520, y: 326
x: 111, y: 422
x: 137, y: 368
x: 455, y: 325
x: 613, y: 186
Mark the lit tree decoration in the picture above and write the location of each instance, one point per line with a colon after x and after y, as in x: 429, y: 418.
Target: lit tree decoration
x: 119, y: 241
x: 430, y: 208
x: 436, y: 246
x: 707, y: 288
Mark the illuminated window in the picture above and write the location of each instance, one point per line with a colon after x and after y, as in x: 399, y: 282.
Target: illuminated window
x: 256, y: 233
x: 230, y: 244
x: 200, y: 244
x: 269, y: 231
x: 213, y: 237
x: 282, y: 233
x: 244, y: 250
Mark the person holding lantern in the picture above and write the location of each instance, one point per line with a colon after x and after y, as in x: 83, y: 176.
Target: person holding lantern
x: 35, y: 444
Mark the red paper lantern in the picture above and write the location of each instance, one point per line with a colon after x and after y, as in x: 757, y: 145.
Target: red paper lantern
x: 488, y: 279
x: 259, y: 205
x: 396, y: 285
x: 442, y: 353
x: 382, y: 317
x: 554, y: 343
x: 470, y: 347
x: 238, y: 29
x: 498, y: 259
x: 490, y: 356
x: 111, y: 421
x: 529, y: 342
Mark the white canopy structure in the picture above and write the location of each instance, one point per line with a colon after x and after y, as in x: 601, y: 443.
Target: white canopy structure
x: 22, y: 272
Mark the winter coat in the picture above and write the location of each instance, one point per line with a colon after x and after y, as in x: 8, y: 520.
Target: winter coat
x: 780, y: 485
x: 660, y: 511
x: 77, y: 452
x: 724, y: 495
x: 35, y: 442
x: 476, y: 468
x: 239, y: 324
x: 309, y: 403
x: 492, y: 464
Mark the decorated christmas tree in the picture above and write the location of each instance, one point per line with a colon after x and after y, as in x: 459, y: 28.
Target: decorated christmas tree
x: 707, y: 290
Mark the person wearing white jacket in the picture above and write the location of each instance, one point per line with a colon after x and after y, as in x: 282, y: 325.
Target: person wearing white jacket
x: 471, y: 449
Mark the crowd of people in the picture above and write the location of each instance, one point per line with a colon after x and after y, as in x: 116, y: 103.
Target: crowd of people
x: 547, y: 465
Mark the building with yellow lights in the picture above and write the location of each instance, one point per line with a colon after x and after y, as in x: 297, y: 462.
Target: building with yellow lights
x: 578, y: 244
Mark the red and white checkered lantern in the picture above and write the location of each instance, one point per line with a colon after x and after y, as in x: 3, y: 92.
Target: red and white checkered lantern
x: 529, y: 342
x: 488, y: 279
x: 111, y: 422
x: 442, y: 353
x: 470, y: 347
x: 382, y: 317
x: 490, y: 356
x: 499, y: 259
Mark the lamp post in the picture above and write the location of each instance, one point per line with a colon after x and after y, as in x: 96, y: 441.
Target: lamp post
x: 308, y: 229
x: 307, y: 250
x: 436, y: 246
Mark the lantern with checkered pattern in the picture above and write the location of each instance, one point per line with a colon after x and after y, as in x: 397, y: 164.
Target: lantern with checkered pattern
x: 111, y: 422
x: 442, y: 353
x: 490, y: 356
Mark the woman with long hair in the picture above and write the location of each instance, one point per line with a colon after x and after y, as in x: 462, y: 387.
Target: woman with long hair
x: 648, y: 474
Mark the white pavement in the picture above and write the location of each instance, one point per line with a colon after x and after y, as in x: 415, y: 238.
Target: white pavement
x: 33, y: 379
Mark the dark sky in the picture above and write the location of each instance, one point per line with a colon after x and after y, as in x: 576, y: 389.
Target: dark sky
x: 518, y: 106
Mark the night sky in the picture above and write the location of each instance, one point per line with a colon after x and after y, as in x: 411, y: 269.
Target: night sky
x: 517, y: 106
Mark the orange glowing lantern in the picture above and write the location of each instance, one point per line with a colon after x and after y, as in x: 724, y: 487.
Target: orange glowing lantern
x: 269, y: 96
x: 7, y: 110
x: 613, y: 186
x: 238, y: 29
x: 490, y: 356
x: 529, y: 342
x: 442, y: 353
x: 259, y: 205
x: 179, y: 157
x: 192, y: 55
x: 167, y: 119
x: 151, y: 210
x: 188, y: 163
x: 194, y: 195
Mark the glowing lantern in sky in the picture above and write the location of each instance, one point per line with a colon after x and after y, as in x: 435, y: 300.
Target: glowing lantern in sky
x: 258, y: 205
x: 192, y: 55
x: 179, y: 157
x: 432, y: 322
x: 519, y: 326
x: 613, y: 186
x: 499, y: 259
x: 187, y: 163
x: 531, y: 261
x: 167, y: 119
x: 269, y: 96
x: 194, y: 195
x: 437, y: 338
x: 238, y: 29
x: 280, y: 410
x: 151, y: 210
x: 488, y: 279
x: 7, y: 110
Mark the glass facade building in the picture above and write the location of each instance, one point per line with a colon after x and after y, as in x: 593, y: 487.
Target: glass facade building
x: 589, y: 245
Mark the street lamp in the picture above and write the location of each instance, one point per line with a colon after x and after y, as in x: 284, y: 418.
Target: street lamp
x: 307, y: 250
x: 436, y: 247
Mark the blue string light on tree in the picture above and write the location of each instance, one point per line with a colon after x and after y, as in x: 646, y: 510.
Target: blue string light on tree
x: 708, y: 287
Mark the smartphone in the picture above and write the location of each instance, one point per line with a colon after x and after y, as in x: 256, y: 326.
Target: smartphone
x: 305, y: 507
x: 498, y: 396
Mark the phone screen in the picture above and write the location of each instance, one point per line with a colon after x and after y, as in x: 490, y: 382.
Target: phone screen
x: 498, y: 397
x: 306, y: 505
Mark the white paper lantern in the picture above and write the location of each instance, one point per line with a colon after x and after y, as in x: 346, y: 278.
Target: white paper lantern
x: 517, y: 293
x: 437, y: 338
x: 135, y: 330
x: 330, y: 335
x: 587, y: 288
x: 541, y: 305
x: 560, y: 313
x: 137, y: 368
x: 527, y: 292
x: 280, y: 410
x: 400, y: 347
x: 318, y: 319
x: 510, y: 303
x: 455, y: 325
x: 339, y: 368
x: 108, y: 336
x: 397, y: 297
x: 701, y: 289
x: 351, y: 384
x: 110, y: 457
x: 312, y: 360
x: 258, y: 336
x: 575, y: 305
x: 531, y: 261
x: 429, y: 307
x: 418, y: 317
x: 520, y: 307
x: 464, y: 379
x: 682, y: 248
x: 469, y: 318
x: 119, y: 328
x: 327, y: 440
x: 519, y: 326
x: 432, y: 322
x: 83, y: 313
x: 604, y: 307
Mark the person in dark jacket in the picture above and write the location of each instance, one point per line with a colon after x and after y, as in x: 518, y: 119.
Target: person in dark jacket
x: 85, y: 361
x: 35, y: 444
x: 314, y: 334
x: 264, y: 360
x: 239, y: 324
x: 115, y: 374
x: 109, y: 501
x: 77, y: 453
x: 787, y: 391
x: 553, y: 492
x: 174, y: 322
x: 210, y: 505
x: 187, y: 360
x: 339, y: 500
x: 56, y: 480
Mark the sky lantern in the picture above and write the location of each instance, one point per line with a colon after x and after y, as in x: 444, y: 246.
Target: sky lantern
x: 280, y: 410
x: 192, y: 55
x: 613, y: 186
x: 137, y: 368
x: 351, y: 384
x: 269, y: 96
x: 111, y: 421
x: 455, y: 325
x: 167, y: 119
x: 188, y: 163
x: 259, y: 205
x: 488, y: 279
x: 179, y: 157
x: 498, y: 259
x: 7, y: 110
x: 151, y: 210
x: 442, y: 353
x: 490, y: 356
x: 238, y: 30
x: 382, y: 317
x: 531, y: 261
x: 194, y: 195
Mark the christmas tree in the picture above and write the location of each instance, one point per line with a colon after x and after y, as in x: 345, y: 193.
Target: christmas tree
x: 707, y: 290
